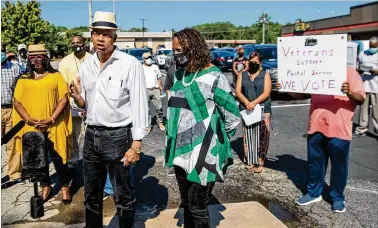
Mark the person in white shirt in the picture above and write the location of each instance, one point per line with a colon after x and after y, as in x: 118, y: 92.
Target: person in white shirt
x: 154, y: 88
x: 369, y: 73
x: 112, y: 90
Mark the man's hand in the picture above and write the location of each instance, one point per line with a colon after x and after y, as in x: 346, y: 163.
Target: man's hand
x: 345, y: 88
x: 131, y: 156
x: 374, y: 71
x: 278, y: 85
x: 75, y: 89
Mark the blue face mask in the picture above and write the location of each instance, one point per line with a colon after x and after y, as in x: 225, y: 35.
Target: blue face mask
x: 372, y: 51
x: 3, y: 57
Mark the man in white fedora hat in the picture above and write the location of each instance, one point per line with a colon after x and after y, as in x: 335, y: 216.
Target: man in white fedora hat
x: 112, y: 90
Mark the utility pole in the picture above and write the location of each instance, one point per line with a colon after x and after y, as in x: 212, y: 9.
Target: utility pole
x: 90, y: 11
x: 114, y: 11
x: 143, y: 19
x: 263, y: 20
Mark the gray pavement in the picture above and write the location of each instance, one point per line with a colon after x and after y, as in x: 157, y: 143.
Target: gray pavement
x: 281, y: 183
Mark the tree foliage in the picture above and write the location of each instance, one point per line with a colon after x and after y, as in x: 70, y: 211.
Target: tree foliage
x: 22, y: 23
x: 229, y: 31
x: 137, y: 30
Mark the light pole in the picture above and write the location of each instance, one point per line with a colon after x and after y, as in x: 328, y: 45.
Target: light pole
x: 143, y: 19
x: 263, y: 19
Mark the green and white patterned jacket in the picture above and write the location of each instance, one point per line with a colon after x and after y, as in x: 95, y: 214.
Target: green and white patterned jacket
x: 200, y: 120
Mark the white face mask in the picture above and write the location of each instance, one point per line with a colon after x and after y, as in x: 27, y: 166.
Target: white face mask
x: 148, y: 61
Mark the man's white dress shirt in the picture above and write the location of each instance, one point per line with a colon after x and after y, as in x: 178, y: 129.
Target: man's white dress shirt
x: 115, y: 96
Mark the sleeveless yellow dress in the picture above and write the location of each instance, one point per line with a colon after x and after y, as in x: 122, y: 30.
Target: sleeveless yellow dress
x: 40, y: 97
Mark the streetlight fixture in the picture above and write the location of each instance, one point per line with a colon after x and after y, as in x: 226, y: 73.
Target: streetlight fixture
x: 263, y: 19
x: 143, y: 19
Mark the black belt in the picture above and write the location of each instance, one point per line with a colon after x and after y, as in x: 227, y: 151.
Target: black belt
x: 152, y: 88
x: 7, y: 106
x: 104, y: 128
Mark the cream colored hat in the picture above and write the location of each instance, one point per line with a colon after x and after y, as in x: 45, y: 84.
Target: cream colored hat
x: 37, y: 49
x: 104, y: 20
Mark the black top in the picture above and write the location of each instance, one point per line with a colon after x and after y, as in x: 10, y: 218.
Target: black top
x: 169, y: 81
x: 253, y: 89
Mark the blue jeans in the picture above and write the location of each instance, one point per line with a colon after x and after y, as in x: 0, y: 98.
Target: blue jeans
x: 108, y: 186
x: 102, y: 153
x: 320, y: 148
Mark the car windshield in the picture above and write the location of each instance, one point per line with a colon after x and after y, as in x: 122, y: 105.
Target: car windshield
x: 138, y: 53
x: 224, y: 53
x: 267, y: 52
x: 247, y: 52
x: 164, y: 52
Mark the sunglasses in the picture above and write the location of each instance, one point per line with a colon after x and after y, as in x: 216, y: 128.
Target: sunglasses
x: 36, y: 57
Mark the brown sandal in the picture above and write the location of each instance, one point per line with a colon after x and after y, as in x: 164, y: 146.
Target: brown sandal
x: 258, y: 169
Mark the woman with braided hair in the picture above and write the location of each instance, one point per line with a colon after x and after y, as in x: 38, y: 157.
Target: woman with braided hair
x: 202, y: 116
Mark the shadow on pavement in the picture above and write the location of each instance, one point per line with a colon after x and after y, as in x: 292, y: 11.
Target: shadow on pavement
x: 151, y: 197
x: 294, y: 168
x: 237, y: 146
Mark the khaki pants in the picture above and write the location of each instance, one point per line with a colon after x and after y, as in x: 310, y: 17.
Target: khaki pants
x: 154, y: 98
x: 14, y: 157
x: 371, y: 98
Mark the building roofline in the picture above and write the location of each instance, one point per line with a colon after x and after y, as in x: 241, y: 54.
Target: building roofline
x: 328, y: 18
x: 363, y: 5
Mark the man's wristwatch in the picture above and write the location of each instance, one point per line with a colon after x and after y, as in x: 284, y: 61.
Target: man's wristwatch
x: 138, y: 151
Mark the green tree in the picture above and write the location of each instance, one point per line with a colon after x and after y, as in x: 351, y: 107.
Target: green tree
x: 22, y: 23
x: 137, y: 30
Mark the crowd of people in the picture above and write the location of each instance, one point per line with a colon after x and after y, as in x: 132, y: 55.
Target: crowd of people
x: 101, y: 102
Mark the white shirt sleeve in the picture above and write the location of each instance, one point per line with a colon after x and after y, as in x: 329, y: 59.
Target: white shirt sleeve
x: 138, y: 101
x: 81, y: 82
x: 157, y: 70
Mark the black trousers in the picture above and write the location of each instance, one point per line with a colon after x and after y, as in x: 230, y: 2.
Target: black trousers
x: 102, y: 153
x: 60, y: 168
x: 195, y: 200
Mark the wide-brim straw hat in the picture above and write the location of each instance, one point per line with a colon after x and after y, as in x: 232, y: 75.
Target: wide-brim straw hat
x: 104, y: 20
x: 37, y: 49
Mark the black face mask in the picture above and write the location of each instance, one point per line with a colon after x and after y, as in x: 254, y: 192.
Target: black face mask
x: 77, y: 48
x: 253, y: 67
x: 181, y: 60
x: 23, y: 53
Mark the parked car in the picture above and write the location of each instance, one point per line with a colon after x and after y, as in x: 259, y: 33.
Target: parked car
x: 138, y: 52
x: 229, y: 49
x: 222, y: 59
x: 269, y: 62
x: 161, y: 56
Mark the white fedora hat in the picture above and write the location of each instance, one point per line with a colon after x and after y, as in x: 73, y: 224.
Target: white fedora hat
x: 104, y: 20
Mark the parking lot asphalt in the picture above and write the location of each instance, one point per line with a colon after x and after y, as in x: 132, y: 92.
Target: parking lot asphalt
x: 277, y: 188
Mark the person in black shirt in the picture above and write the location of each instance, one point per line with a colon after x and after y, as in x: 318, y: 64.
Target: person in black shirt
x: 240, y: 64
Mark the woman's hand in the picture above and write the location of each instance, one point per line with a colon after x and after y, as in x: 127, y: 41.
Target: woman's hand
x: 33, y: 122
x: 251, y: 105
x: 45, y: 122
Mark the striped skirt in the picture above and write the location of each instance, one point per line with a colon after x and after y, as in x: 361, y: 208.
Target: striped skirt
x: 256, y: 141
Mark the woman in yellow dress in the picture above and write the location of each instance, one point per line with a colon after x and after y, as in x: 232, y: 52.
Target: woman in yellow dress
x: 41, y: 100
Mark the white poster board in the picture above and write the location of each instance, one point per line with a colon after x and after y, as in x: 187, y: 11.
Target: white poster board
x: 312, y: 64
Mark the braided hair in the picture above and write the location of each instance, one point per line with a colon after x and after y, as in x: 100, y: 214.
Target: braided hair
x: 194, y: 47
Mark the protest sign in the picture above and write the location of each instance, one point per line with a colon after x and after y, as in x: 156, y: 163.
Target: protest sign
x: 312, y: 64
